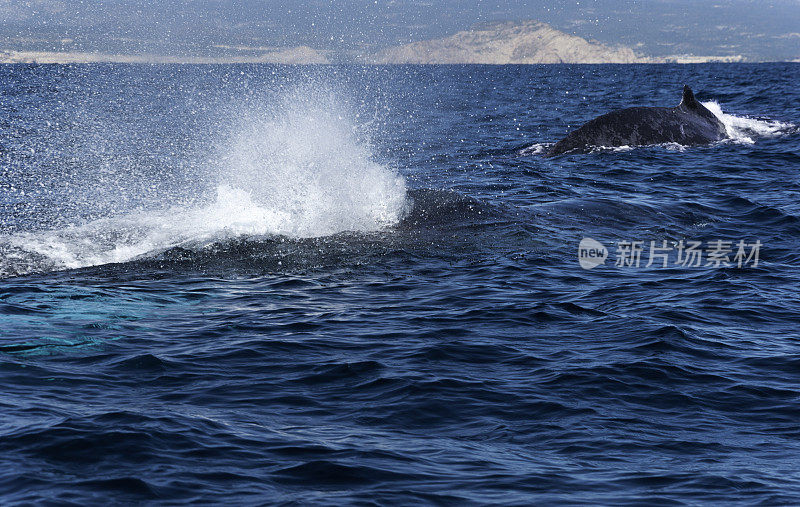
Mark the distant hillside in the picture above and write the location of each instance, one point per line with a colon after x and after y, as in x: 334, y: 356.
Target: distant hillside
x: 702, y: 59
x: 291, y: 55
x: 506, y: 43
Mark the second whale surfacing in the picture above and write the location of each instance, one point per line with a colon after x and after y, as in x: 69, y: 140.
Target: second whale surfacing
x: 690, y: 123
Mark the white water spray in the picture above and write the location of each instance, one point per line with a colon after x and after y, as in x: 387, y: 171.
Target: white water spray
x: 301, y: 168
x: 746, y: 130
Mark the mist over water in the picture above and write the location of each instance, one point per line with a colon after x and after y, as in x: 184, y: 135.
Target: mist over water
x: 307, y: 162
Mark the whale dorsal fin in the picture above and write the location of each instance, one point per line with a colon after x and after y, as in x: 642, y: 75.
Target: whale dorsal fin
x: 689, y: 103
x: 688, y: 98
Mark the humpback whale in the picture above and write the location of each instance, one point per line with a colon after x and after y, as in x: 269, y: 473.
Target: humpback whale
x: 690, y: 123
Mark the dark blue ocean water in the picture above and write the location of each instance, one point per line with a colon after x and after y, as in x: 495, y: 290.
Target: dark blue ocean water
x: 327, y: 285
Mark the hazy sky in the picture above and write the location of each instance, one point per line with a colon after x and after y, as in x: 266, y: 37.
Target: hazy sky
x: 756, y: 29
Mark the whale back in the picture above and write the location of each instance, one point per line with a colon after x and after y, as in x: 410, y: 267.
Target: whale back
x: 689, y: 123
